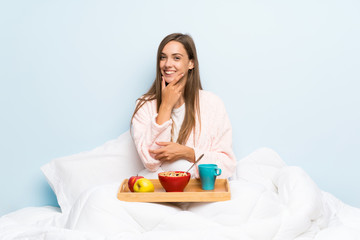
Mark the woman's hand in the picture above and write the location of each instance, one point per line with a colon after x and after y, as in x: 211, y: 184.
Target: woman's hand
x: 172, y: 93
x: 170, y: 96
x: 170, y: 151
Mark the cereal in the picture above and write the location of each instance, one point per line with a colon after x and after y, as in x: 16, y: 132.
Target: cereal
x: 173, y: 174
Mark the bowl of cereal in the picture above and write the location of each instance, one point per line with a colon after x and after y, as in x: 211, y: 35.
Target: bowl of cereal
x: 174, y: 181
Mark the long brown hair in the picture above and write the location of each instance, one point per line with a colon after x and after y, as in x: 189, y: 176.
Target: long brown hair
x: 191, y: 90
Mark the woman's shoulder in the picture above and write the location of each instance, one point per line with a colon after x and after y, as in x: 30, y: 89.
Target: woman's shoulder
x: 212, y: 109
x: 209, y: 97
x: 147, y: 99
x: 146, y: 102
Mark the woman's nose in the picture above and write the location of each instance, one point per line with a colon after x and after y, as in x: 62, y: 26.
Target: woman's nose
x: 168, y: 62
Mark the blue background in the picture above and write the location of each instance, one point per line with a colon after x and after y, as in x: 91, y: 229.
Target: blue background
x: 288, y: 72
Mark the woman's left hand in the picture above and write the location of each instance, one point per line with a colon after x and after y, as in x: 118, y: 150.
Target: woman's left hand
x: 171, y: 151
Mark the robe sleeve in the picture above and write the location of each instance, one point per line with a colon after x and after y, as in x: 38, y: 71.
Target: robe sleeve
x: 220, y: 151
x: 146, y: 132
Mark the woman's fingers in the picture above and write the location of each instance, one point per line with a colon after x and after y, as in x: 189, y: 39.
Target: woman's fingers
x: 162, y: 157
x: 159, y: 150
x: 160, y: 154
x: 176, y: 80
x: 180, y: 86
x: 156, y: 151
x: 163, y: 85
x: 172, y: 92
x: 170, y: 151
x: 163, y: 153
x: 162, y: 143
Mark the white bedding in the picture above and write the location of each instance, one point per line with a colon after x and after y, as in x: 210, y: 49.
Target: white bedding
x: 269, y: 201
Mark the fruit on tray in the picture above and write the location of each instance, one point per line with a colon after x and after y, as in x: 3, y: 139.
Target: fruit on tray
x: 132, y: 181
x: 143, y: 185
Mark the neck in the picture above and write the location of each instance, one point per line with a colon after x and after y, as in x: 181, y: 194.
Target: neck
x: 180, y: 102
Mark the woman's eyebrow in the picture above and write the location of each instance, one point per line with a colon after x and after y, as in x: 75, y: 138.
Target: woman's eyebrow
x: 172, y: 54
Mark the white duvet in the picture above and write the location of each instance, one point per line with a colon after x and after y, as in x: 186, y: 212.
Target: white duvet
x: 269, y: 201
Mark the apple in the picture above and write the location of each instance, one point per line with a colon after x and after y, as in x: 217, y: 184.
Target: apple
x: 132, y: 181
x: 143, y: 185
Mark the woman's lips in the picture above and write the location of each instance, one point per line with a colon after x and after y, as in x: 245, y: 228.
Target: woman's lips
x: 169, y: 72
x: 169, y: 75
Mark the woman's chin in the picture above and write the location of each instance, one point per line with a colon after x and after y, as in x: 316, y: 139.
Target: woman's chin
x: 169, y: 80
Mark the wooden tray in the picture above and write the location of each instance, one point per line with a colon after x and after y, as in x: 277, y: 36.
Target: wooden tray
x: 192, y: 193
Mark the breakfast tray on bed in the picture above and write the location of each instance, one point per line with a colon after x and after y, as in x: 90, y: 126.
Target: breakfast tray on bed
x: 192, y: 193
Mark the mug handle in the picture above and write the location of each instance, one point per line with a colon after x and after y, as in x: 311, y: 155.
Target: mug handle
x: 217, y: 171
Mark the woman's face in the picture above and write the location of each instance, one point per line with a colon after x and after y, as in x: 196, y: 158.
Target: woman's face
x: 174, y: 61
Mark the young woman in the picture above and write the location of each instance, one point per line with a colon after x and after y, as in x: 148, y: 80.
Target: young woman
x: 176, y: 121
x: 172, y: 125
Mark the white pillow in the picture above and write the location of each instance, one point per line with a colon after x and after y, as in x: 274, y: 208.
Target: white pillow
x: 111, y: 162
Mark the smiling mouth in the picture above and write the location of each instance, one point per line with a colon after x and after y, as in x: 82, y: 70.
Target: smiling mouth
x: 169, y: 72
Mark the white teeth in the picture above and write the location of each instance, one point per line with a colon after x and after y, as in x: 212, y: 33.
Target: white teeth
x: 169, y: 72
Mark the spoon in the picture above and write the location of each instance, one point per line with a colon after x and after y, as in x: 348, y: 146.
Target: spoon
x: 195, y: 162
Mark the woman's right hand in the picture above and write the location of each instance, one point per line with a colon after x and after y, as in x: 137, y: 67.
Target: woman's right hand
x: 170, y: 94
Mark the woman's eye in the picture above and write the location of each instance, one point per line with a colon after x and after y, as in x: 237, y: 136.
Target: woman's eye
x: 177, y: 58
x: 162, y: 57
